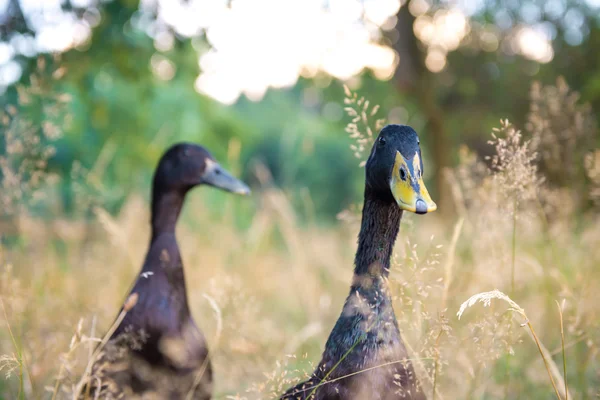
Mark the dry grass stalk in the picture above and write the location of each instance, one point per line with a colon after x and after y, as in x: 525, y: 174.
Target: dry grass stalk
x: 486, y: 298
x: 592, y: 169
x: 435, y: 368
x: 563, y: 130
x: 218, y: 332
x: 562, y: 345
x: 450, y: 261
x: 361, y: 128
x: 85, y: 379
x: 75, y: 341
x: 16, y: 361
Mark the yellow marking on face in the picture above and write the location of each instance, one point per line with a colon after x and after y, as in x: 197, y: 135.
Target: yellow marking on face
x: 407, y: 191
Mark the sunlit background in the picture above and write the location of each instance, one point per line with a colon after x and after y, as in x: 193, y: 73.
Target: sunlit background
x: 250, y: 46
x: 339, y: 37
x: 422, y: 61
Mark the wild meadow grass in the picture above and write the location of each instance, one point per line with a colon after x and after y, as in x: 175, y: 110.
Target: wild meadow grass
x: 267, y: 295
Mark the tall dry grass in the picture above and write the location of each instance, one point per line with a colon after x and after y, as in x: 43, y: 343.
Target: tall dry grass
x: 268, y: 296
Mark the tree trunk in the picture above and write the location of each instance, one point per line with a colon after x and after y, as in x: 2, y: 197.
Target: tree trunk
x: 413, y: 77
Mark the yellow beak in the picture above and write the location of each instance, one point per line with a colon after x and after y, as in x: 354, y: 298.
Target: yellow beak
x: 407, y: 186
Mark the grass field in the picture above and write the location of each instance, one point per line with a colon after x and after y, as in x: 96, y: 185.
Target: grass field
x: 267, y: 291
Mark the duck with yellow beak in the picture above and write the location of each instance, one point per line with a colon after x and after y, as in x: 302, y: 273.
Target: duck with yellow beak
x: 365, y: 357
x: 397, y: 155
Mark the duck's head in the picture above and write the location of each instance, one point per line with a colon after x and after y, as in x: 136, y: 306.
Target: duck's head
x: 185, y: 165
x: 395, y: 169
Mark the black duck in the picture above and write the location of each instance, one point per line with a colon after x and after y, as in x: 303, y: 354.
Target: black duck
x: 365, y: 357
x: 157, y: 351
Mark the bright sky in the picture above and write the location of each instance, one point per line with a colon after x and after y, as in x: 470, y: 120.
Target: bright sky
x: 258, y: 44
x: 270, y: 43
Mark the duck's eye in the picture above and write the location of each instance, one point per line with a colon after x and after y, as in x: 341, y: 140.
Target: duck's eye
x: 382, y: 141
x: 402, y: 174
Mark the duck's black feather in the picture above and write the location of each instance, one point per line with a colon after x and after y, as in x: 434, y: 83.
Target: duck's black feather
x: 157, y: 351
x: 365, y: 357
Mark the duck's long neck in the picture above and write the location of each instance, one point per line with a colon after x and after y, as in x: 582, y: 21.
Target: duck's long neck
x: 166, y: 207
x: 378, y: 231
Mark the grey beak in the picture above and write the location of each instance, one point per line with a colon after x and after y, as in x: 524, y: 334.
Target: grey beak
x: 217, y: 176
x: 421, y: 207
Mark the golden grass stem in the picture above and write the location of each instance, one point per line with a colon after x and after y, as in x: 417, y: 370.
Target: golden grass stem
x: 22, y: 364
x: 537, y: 342
x: 129, y: 304
x: 436, y: 364
x: 553, y: 368
x: 61, y: 371
x: 75, y: 341
x: 448, y: 267
x: 218, y: 332
x: 570, y: 344
x: 514, y: 249
x: 91, y: 352
x: 420, y: 366
x: 562, y: 343
x: 486, y: 298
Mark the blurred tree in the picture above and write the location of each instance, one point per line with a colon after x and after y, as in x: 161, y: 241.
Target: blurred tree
x: 487, y: 68
x: 414, y: 79
x: 132, y: 74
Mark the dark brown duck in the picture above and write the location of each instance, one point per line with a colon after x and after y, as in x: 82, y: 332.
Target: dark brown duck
x: 365, y: 357
x: 157, y: 351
